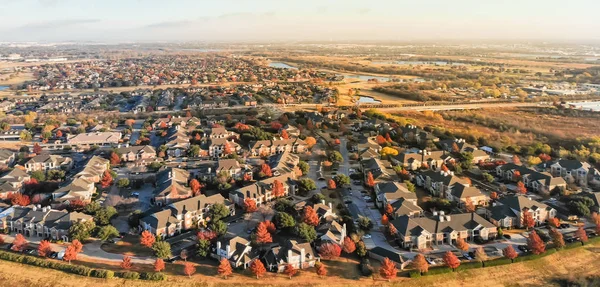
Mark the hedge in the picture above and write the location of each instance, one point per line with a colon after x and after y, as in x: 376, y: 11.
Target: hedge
x: 469, y: 265
x: 438, y: 270
x: 154, y: 276
x: 414, y: 274
x: 99, y: 273
x: 129, y: 275
x: 497, y: 262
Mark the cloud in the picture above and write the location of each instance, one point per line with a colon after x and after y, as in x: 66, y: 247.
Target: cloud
x: 168, y: 24
x: 57, y: 24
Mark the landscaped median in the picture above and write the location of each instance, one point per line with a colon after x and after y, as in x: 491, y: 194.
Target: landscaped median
x: 497, y: 262
x: 79, y: 269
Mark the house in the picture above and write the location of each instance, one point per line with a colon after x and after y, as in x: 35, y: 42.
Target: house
x: 323, y: 210
x: 425, y: 232
x: 438, y: 183
x: 406, y: 207
x: 389, y: 192
x: 171, y: 185
x: 277, y: 145
x: 12, y: 182
x: 45, y: 162
x: 87, y: 140
x: 507, y: 211
x: 380, y: 169
x: 7, y: 158
x: 93, y: 169
x: 237, y: 250
x: 332, y: 232
x: 184, y: 122
x: 137, y: 153
x: 233, y: 169
x: 456, y: 145
x: 221, y: 146
x: 262, y: 191
x: 412, y: 133
x: 580, y: 172
x: 461, y: 193
x: 78, y: 189
x: 283, y: 162
x: 380, y: 253
x: 40, y: 221
x: 177, y: 142
x: 222, y: 133
x: 299, y: 255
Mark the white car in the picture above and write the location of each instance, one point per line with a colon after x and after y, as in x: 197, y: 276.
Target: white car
x: 135, y: 194
x: 367, y: 236
x: 366, y: 197
x: 351, y: 170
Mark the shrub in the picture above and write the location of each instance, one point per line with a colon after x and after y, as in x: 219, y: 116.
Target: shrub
x: 154, y: 276
x: 414, y: 274
x: 497, y: 262
x: 99, y: 273
x: 438, y: 270
x: 130, y: 275
x: 469, y: 265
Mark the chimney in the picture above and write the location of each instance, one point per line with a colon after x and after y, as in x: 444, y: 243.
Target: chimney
x: 34, y: 208
x: 441, y: 218
x: 289, y: 255
x: 323, y: 201
x: 442, y: 213
x: 447, y: 217
x: 330, y: 207
x: 170, y: 174
x: 435, y: 213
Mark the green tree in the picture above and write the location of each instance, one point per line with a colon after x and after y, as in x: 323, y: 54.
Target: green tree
x: 305, y: 185
x: 304, y: 167
x: 306, y: 232
x: 38, y: 175
x: 93, y: 207
x: 203, y: 248
x: 104, y: 215
x: 341, y: 180
x: 488, y: 177
x: 466, y: 160
x: 162, y: 249
x: 410, y: 186
x: 284, y: 220
x: 123, y: 182
x: 81, y: 230
x: 361, y: 249
x: 55, y: 174
x: 218, y: 211
x: 194, y: 150
x: 219, y: 227
x: 336, y: 156
x: 107, y: 232
x: 365, y: 224
x: 134, y: 218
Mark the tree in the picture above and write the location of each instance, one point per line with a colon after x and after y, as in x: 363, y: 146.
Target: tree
x: 342, y: 180
x: 44, y: 248
x: 162, y: 249
x: 388, y: 269
x: 527, y: 219
x: 535, y: 243
x: 420, y: 264
x: 410, y: 186
x: 284, y: 220
x: 284, y: 134
x: 218, y: 211
x: 123, y: 182
x: 304, y: 167
x: 494, y: 195
x: 388, y: 151
x: 451, y: 260
x: 227, y: 148
x: 250, y: 205
x: 270, y: 226
x: 349, y: 245
x: 335, y: 156
x: 370, y: 180
x: 330, y: 250
x: 557, y: 238
x: 159, y: 265
x: 533, y: 160
x: 77, y: 246
x: 365, y: 224
x: 469, y: 206
x: 455, y: 148
x: 306, y: 232
x: 224, y: 268
x: 509, y: 252
x: 596, y: 220
x: 257, y: 268
x: 306, y: 184
x: 126, y: 263
x: 219, y: 227
x: 290, y: 271
x: 331, y: 184
x: 38, y: 175
x: 115, y: 159
x: 581, y: 234
x: 384, y: 220
x: 203, y: 247
x: 554, y: 222
x: 265, y: 170
x: 516, y: 160
x: 70, y: 254
x: 37, y: 149
x: 480, y: 254
x: 104, y: 215
x: 147, y: 239
x: 392, y: 230
x: 107, y: 232
x: 488, y: 177
x: 361, y: 249
x: 462, y: 244
x: 189, y: 269
x: 20, y: 199
x: 310, y: 216
x: 521, y: 188
x: 195, y: 186
x: 321, y: 269
x: 310, y: 141
x: 262, y: 234
x: 278, y: 190
x: 81, y: 230
x: 106, y: 179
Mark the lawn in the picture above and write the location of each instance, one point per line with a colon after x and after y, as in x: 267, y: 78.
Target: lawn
x: 129, y: 245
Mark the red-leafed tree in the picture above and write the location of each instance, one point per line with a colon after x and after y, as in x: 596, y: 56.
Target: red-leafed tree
x: 44, y: 248
x: 19, y: 243
x: 544, y: 157
x: 494, y: 195
x: 389, y: 210
x: 384, y: 220
x: 444, y: 168
x: 535, y: 243
x: 455, y: 148
x: 70, y: 254
x: 257, y: 268
x: 521, y: 188
x: 321, y: 269
x: 516, y: 160
x: 195, y: 186
x: 262, y: 234
x: 189, y: 269
x: 420, y: 264
x: 20, y: 199
x: 159, y: 265
x: 227, y: 149
x: 380, y: 140
x: 278, y: 190
x: 265, y: 170
x: 276, y: 125
x: 387, y: 137
x: 224, y: 268
x: 247, y: 177
x: 106, y: 179
x: 349, y: 245
x: 77, y: 246
x: 284, y: 134
x: 469, y: 206
x: 250, y: 205
x: 370, y: 180
x: 37, y: 149
x: 59, y: 134
x: 392, y: 230
x: 310, y: 216
x: 581, y: 234
x: 206, y: 235
x: 270, y: 226
x: 115, y: 159
x: 527, y: 219
x: 126, y: 263
x: 330, y: 250
x: 451, y: 260
x: 461, y: 244
x: 147, y: 239
x: 290, y: 271
x: 554, y: 222
x: 331, y: 184
x: 509, y: 252
x: 388, y: 269
x: 1, y: 240
x: 516, y: 175
x: 557, y: 238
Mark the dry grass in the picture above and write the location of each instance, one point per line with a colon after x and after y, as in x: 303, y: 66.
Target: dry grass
x: 129, y: 245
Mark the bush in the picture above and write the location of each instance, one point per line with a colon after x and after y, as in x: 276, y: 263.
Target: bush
x: 497, y: 262
x: 99, y: 273
x: 154, y: 276
x: 130, y: 275
x: 438, y: 270
x: 414, y: 274
x: 469, y: 265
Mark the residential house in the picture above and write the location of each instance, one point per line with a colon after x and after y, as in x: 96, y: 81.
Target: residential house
x: 461, y: 193
x: 45, y: 162
x: 380, y: 169
x: 218, y: 147
x: 580, y: 172
x: 332, y: 232
x: 277, y: 145
x: 171, y: 185
x: 456, y: 145
x: 237, y: 250
x: 143, y: 153
x: 380, y: 254
x: 390, y: 192
x: 93, y: 169
x: 299, y: 255
x: 414, y: 161
x: 7, y: 158
x: 184, y: 122
x: 262, y: 191
x: 222, y: 133
x: 412, y: 133
x: 508, y: 211
x: 87, y: 140
x: 78, y: 189
x: 438, y: 183
x: 12, y: 182
x: 283, y: 163
x: 233, y: 169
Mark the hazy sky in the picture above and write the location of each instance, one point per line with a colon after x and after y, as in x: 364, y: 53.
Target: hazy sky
x: 249, y: 20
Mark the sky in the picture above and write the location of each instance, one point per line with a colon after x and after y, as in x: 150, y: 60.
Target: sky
x: 297, y: 20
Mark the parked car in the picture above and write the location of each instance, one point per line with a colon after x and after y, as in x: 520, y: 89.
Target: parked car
x: 366, y: 197
x: 430, y: 261
x: 507, y: 236
x: 564, y: 225
x: 523, y: 248
x: 53, y: 255
x: 467, y: 256
x: 135, y: 194
x: 367, y: 236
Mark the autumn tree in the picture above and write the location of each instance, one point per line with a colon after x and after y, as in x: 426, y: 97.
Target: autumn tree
x: 106, y: 179
x: 20, y: 199
x: 480, y: 254
x: 527, y: 220
x: 70, y: 253
x: 159, y: 265
x: 510, y: 253
x: 389, y: 210
x: 581, y: 234
x: 284, y: 134
x: 462, y: 244
x: 262, y: 234
x: 20, y: 243
x: 44, y: 248
x: 370, y: 180
x: 516, y: 160
x: 290, y: 271
x: 557, y: 238
x: 321, y: 269
x: 250, y: 205
x: 469, y: 206
x: 270, y: 226
x: 265, y: 170
x: 310, y: 216
x: 596, y: 221
x: 126, y: 263
x: 331, y: 184
x: 189, y: 269
x: 278, y: 190
x: 388, y: 269
x: 451, y: 260
x: 384, y: 220
x: 554, y: 222
x: 224, y: 268
x: 535, y: 243
x: 420, y: 264
x: 521, y: 188
x: 147, y: 239
x: 195, y: 186
x: 37, y: 149
x: 330, y: 250
x: 349, y: 245
x: 380, y: 140
x: 115, y: 159
x: 392, y: 230
x: 257, y: 268
x: 77, y: 246
x: 494, y: 195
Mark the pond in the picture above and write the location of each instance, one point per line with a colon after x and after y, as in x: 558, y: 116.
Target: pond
x: 2, y: 88
x: 366, y: 77
x: 368, y: 100
x: 281, y: 65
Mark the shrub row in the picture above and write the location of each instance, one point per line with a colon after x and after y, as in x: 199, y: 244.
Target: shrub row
x: 78, y: 269
x: 470, y: 265
x: 497, y: 262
